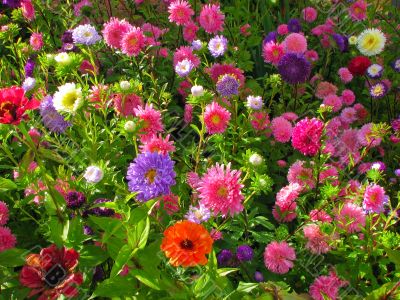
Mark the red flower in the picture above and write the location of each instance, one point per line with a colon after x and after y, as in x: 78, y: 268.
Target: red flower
x: 358, y: 65
x: 50, y: 274
x: 13, y: 105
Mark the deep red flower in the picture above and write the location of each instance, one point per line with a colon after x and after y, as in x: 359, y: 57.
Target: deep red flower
x: 50, y: 274
x: 13, y: 105
x: 359, y: 65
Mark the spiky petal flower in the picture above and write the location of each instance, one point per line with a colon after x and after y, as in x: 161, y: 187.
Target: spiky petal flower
x: 294, y: 68
x: 350, y: 217
x: 358, y: 10
x: 378, y: 90
x: 151, y: 122
x: 216, y: 118
x: 325, y: 287
x: 198, y: 214
x: 306, y: 136
x: 68, y: 98
x: 218, y: 45
x: 180, y: 12
x: 7, y: 239
x: 375, y: 71
x: 228, y: 85
x: 371, y: 42
x: 158, y: 144
x: 211, y: 18
x: 254, y: 102
x: 279, y: 257
x: 183, y: 53
x: 220, y: 190
x: 273, y: 52
x: 114, y: 30
x: 133, y: 42
x: 85, y: 34
x: 186, y: 244
x: 151, y: 175
x: 374, y: 198
x: 51, y: 118
x: 285, y: 204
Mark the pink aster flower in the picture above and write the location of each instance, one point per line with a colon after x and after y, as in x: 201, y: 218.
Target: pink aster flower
x: 158, y: 144
x: 345, y: 75
x: 358, y: 10
x: 259, y: 120
x: 273, y: 52
x: 320, y: 215
x: 348, y: 97
x: 189, y: 32
x: 306, y: 136
x: 7, y: 239
x: 188, y: 114
x: 317, y: 241
x: 28, y: 10
x: 334, y: 101
x: 3, y: 213
x: 279, y: 257
x: 309, y: 14
x: 211, y: 18
x: 282, y: 29
x: 218, y: 70
x: 350, y: 217
x: 362, y: 113
x: 285, y: 204
x: 180, y: 12
x: 125, y: 105
x: 193, y: 180
x: 324, y: 89
x: 216, y: 118
x: 36, y: 41
x: 367, y: 138
x: 132, y: 42
x: 348, y: 142
x: 348, y: 115
x: 325, y: 287
x: 290, y: 116
x: 301, y: 175
x: 311, y: 55
x: 185, y: 52
x: 295, y: 43
x: 114, y: 30
x: 220, y: 190
x: 374, y: 198
x: 151, y: 122
x: 170, y: 203
x: 281, y: 129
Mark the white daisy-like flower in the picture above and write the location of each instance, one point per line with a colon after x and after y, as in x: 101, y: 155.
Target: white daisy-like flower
x: 371, y: 42
x: 254, y: 102
x: 85, y: 34
x: 68, y: 98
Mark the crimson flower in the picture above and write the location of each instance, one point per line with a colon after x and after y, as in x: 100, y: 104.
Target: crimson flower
x: 359, y: 65
x: 50, y: 274
x: 13, y: 105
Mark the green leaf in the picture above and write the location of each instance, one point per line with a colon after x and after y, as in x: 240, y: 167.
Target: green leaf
x: 246, y: 287
x: 146, y: 278
x: 91, y: 256
x: 394, y: 256
x: 7, y: 185
x: 120, y: 286
x: 122, y: 259
x: 226, y: 271
x: 12, y: 257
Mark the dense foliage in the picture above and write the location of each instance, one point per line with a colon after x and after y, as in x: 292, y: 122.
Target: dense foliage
x: 186, y: 149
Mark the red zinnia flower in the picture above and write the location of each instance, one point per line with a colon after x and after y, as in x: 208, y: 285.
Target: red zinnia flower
x: 13, y: 105
x: 359, y: 65
x: 50, y: 274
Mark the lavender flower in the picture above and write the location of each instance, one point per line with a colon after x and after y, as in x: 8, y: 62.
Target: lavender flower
x: 93, y: 174
x: 51, y: 117
x: 29, y: 67
x: 198, y: 214
x: 68, y: 47
x: 228, y: 85
x: 224, y: 257
x: 294, y: 68
x: 12, y: 3
x: 87, y: 230
x: 396, y: 65
x: 254, y: 102
x: 271, y: 37
x: 294, y: 25
x: 341, y: 41
x: 85, y: 34
x: 258, y: 276
x: 28, y: 84
x: 151, y: 175
x: 244, y: 253
x: 378, y: 90
x: 183, y: 68
x: 375, y: 71
x: 196, y: 45
x: 75, y: 199
x: 218, y: 45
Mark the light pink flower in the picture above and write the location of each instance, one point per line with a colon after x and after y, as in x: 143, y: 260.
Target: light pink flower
x: 309, y: 14
x: 348, y: 97
x: 326, y: 286
x: 334, y: 101
x: 350, y: 217
x: 36, y: 41
x: 320, y: 215
x: 345, y: 75
x: 281, y: 129
x: 132, y: 42
x: 114, y: 30
x: 279, y: 257
x: 301, y: 175
x: 216, y: 118
x: 295, y: 43
x: 324, y: 89
x: 317, y: 241
x: 211, y: 18
x: 180, y: 12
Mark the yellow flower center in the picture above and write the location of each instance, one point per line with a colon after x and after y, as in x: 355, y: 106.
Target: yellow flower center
x: 222, y: 191
x: 151, y: 175
x: 69, y: 99
x: 215, y: 119
x: 378, y: 90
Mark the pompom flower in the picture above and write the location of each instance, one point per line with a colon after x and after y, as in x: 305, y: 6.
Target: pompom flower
x: 218, y: 45
x: 228, y: 85
x: 7, y: 239
x: 150, y: 120
x: 358, y: 10
x: 294, y: 68
x: 334, y: 101
x: 306, y: 136
x: 309, y: 14
x: 371, y: 42
x: 325, y: 88
x: 85, y: 34
x: 216, y: 118
x: 345, y: 75
x: 3, y: 213
x: 51, y: 118
x: 180, y: 12
x: 281, y: 129
x: 113, y: 32
x: 295, y: 43
x: 350, y: 217
x: 317, y: 241
x: 220, y: 190
x: 359, y: 65
x: 244, y: 253
x: 273, y: 52
x: 68, y: 98
x: 186, y: 244
x: 325, y: 287
x: 36, y: 41
x: 133, y: 42
x: 348, y: 97
x: 150, y: 175
x: 285, y: 204
x: 279, y: 257
x: 211, y: 18
x: 374, y: 198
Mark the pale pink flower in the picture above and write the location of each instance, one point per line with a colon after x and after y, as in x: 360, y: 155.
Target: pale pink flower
x: 295, y: 43
x: 350, y: 217
x: 301, y: 175
x: 279, y: 257
x: 281, y: 129
x: 345, y: 75
x: 348, y: 97
x: 36, y: 41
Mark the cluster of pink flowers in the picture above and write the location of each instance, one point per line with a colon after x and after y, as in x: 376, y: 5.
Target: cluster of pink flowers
x: 285, y: 204
x: 7, y: 239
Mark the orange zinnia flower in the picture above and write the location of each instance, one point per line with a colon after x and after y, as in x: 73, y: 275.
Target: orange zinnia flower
x: 186, y: 244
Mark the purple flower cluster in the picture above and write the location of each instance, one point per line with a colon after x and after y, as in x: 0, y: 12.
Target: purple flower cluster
x: 228, y: 86
x: 51, y: 117
x: 294, y: 68
x: 75, y: 199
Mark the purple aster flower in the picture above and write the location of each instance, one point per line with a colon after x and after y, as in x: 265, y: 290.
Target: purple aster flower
x: 101, y: 211
x: 228, y: 85
x: 396, y: 65
x: 75, y: 199
x: 51, y: 117
x: 68, y: 47
x: 198, y: 214
x: 183, y: 68
x: 29, y: 67
x: 218, y: 45
x: 85, y: 34
x: 396, y: 124
x: 341, y: 41
x: 397, y: 172
x: 375, y: 71
x: 258, y: 276
x: 271, y: 37
x: 12, y: 3
x: 196, y: 45
x: 151, y: 175
x: 28, y: 84
x: 67, y: 37
x: 87, y: 230
x: 379, y: 165
x: 244, y: 253
x: 294, y: 25
x: 378, y: 90
x: 294, y: 68
x: 224, y: 257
